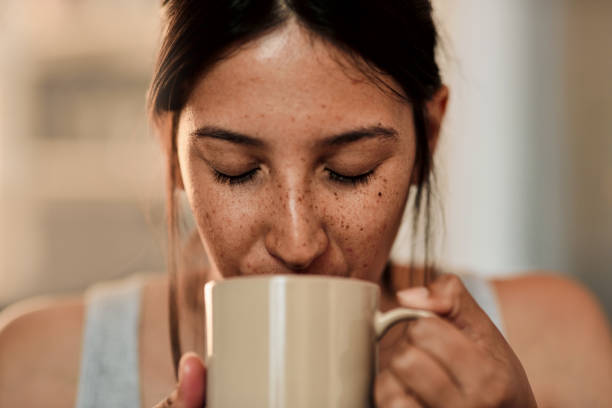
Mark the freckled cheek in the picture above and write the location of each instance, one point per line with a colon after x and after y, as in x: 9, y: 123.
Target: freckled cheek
x: 369, y: 231
x: 364, y: 228
x: 228, y: 225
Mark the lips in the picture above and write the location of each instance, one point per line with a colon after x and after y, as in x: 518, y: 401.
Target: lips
x: 281, y: 270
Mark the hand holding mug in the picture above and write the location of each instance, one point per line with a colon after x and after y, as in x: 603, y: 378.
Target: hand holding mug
x: 459, y: 359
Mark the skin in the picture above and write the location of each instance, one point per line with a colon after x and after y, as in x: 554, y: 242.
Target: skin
x: 294, y: 217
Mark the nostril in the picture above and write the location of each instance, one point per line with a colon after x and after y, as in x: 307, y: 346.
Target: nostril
x: 292, y: 259
x: 298, y: 267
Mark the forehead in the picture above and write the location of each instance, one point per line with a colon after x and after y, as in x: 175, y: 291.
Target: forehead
x: 292, y: 79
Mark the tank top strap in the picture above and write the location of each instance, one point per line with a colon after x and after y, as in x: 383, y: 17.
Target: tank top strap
x: 109, y: 372
x: 484, y: 293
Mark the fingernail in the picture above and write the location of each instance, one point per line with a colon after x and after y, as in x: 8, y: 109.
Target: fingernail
x: 413, y: 294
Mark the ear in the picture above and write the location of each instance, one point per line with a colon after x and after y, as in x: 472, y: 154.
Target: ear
x: 166, y: 127
x: 436, y: 109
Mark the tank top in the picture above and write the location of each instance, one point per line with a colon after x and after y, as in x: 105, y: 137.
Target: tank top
x: 109, y: 372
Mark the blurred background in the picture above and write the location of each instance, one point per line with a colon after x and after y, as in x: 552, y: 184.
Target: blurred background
x: 524, y: 165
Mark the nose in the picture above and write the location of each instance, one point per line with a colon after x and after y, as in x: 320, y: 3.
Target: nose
x: 296, y: 236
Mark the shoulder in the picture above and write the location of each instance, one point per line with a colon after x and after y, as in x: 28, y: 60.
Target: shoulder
x: 561, y: 335
x: 558, y: 302
x: 40, y: 343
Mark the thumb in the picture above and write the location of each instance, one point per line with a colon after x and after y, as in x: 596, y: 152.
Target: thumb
x: 192, y: 381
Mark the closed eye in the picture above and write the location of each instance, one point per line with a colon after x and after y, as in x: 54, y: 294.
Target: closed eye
x: 334, y: 176
x: 350, y: 180
x: 235, y: 180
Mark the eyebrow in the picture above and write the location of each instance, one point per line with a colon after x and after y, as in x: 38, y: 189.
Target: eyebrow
x: 214, y: 132
x: 340, y: 139
x: 354, y: 135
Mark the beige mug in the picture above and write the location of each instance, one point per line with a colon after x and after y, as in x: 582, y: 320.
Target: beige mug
x: 294, y: 341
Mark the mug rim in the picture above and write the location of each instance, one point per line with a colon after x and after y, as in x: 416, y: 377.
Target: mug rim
x: 286, y: 278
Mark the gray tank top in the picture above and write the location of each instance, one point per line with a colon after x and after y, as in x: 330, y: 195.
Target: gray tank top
x: 109, y: 375
x: 109, y: 357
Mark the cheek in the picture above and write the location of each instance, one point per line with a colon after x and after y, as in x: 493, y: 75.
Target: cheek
x: 365, y: 226
x: 229, y: 224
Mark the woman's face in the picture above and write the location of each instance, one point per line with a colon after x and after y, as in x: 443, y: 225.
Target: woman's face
x: 293, y: 163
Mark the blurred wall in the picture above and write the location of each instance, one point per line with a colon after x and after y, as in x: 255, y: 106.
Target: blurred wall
x: 526, y: 157
x: 80, y: 179
x: 525, y: 162
x: 588, y: 112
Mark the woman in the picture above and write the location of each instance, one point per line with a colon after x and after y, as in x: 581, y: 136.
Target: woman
x: 298, y: 131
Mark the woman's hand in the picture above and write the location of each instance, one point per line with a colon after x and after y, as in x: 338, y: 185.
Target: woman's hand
x: 456, y: 360
x: 190, y: 391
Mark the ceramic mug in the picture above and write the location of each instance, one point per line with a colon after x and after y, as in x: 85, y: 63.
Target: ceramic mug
x: 294, y: 341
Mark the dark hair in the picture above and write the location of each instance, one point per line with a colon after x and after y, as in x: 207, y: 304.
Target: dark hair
x: 395, y: 38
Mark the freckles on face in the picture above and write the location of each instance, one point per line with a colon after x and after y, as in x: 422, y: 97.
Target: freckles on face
x: 366, y: 226
x: 228, y: 223
x: 290, y: 165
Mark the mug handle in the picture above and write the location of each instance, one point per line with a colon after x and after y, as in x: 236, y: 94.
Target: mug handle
x: 384, y: 321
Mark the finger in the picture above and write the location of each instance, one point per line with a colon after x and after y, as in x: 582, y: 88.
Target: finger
x: 423, y: 376
x: 402, y: 401
x: 389, y: 393
x: 448, y: 297
x: 446, y: 344
x: 191, y: 389
x: 192, y: 381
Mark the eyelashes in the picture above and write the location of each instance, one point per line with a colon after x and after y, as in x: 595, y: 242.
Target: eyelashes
x: 350, y: 180
x: 235, y: 180
x: 354, y: 181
